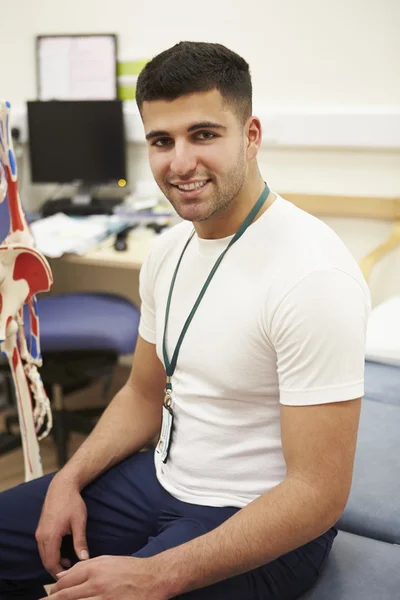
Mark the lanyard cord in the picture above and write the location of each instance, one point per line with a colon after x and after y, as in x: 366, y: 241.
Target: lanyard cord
x: 170, y: 366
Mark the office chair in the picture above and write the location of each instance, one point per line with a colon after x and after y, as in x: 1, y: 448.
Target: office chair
x: 82, y: 335
x: 79, y: 347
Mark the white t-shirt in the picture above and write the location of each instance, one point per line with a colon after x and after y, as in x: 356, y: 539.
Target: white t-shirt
x: 283, y: 321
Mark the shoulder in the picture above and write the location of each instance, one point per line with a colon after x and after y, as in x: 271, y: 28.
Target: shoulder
x: 303, y: 227
x: 308, y: 272
x: 165, y: 244
x: 302, y: 245
x: 169, y: 239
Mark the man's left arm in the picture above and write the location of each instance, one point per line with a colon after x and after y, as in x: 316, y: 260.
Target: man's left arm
x: 319, y: 443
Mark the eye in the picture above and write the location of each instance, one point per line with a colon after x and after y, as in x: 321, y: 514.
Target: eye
x: 161, y: 142
x: 205, y: 135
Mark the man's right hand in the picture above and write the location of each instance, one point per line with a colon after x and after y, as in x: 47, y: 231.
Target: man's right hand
x: 64, y: 512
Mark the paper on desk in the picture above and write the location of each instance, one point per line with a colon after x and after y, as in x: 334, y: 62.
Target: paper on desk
x: 59, y: 234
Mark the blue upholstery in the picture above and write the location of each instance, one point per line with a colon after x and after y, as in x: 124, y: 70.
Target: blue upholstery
x: 373, y: 509
x: 358, y: 568
x: 382, y: 383
x: 87, y: 321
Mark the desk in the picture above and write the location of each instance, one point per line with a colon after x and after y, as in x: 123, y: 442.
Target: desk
x: 103, y: 269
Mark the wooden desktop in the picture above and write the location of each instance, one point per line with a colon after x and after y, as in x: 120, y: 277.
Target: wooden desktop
x: 103, y: 269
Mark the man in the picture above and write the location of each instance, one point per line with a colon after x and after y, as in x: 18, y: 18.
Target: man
x: 250, y: 359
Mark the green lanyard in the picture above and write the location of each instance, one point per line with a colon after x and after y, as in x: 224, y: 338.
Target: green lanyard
x: 170, y: 366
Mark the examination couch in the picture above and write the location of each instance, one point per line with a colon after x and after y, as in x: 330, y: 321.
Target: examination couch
x: 365, y: 560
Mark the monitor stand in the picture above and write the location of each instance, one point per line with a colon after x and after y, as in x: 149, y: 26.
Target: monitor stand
x: 83, y: 195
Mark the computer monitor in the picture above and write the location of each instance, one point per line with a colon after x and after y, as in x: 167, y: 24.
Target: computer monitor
x: 73, y: 141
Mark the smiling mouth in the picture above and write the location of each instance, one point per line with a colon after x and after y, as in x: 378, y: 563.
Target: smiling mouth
x: 190, y: 187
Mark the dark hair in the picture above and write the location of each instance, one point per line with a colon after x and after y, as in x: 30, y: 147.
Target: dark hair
x: 190, y: 67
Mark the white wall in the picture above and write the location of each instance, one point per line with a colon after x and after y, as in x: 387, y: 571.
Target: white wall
x: 302, y: 53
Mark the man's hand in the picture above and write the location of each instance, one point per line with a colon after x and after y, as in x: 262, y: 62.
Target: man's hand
x: 111, y: 578
x: 64, y: 512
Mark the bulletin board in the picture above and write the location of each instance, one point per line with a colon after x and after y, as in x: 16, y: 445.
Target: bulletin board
x: 76, y: 67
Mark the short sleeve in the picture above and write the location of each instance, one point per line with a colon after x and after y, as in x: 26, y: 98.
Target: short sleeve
x: 319, y: 334
x: 147, y: 324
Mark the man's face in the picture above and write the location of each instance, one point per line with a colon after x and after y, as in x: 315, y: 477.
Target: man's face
x: 196, y: 141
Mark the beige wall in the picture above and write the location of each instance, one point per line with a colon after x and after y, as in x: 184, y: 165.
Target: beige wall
x: 307, y: 53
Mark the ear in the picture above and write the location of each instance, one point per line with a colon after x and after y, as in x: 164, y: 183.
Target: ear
x: 254, y: 137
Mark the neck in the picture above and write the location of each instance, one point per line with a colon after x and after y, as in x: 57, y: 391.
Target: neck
x: 227, y: 222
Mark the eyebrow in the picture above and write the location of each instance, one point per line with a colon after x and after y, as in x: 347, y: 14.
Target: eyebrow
x: 194, y: 127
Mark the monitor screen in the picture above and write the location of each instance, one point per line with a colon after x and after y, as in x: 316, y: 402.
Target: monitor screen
x: 76, y: 140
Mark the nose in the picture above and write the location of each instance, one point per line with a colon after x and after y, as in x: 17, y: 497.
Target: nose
x: 184, y: 159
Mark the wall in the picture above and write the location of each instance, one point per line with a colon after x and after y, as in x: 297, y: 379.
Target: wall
x: 312, y: 53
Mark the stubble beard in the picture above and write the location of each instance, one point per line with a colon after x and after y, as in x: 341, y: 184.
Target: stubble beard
x: 223, y: 195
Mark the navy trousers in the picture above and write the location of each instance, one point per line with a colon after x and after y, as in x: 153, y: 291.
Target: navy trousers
x: 129, y: 513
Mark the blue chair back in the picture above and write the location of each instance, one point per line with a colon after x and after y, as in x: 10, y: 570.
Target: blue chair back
x: 4, y: 220
x: 4, y: 212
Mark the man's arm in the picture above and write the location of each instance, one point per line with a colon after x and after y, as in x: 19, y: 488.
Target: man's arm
x: 319, y: 445
x: 130, y: 421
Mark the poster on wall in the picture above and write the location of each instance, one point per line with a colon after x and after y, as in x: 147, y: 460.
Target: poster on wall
x: 76, y: 67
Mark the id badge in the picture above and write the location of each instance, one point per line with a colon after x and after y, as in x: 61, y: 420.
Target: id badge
x: 164, y: 442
